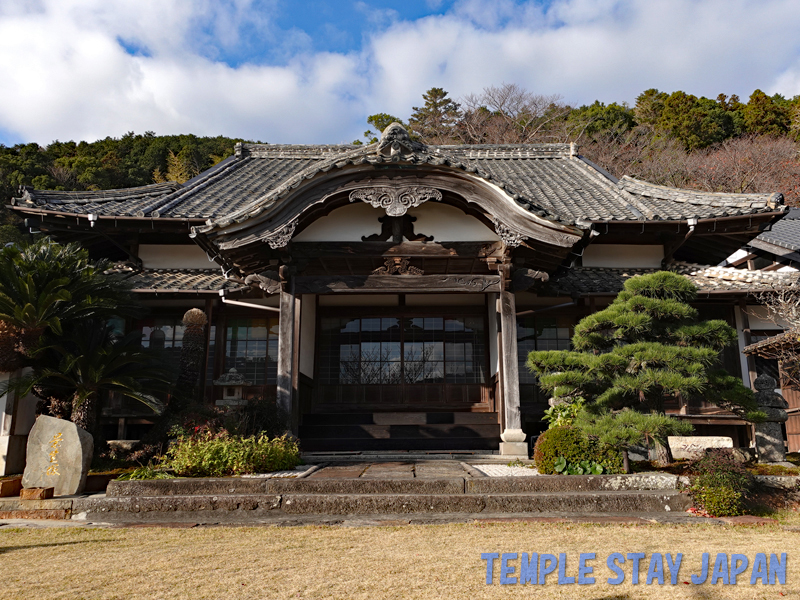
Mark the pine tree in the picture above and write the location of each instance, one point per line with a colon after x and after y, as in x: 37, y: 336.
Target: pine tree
x: 435, y: 121
x: 646, y: 346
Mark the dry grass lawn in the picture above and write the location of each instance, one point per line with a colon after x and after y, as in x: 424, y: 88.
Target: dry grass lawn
x: 414, y: 562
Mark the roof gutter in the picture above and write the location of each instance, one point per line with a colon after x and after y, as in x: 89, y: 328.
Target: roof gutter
x: 93, y: 217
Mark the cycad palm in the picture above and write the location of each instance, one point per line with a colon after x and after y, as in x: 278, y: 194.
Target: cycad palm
x: 94, y: 363
x: 44, y: 285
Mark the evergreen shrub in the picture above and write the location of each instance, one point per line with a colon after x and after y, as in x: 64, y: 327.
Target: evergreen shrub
x: 573, y: 446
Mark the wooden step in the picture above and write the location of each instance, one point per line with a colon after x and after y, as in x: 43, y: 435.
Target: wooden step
x: 401, y: 418
x: 386, y: 432
x: 349, y: 445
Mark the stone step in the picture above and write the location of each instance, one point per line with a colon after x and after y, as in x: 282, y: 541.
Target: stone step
x: 435, y: 484
x: 573, y: 502
x: 252, y: 505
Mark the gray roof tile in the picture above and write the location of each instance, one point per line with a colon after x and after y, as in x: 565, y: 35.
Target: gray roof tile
x: 597, y: 280
x: 550, y: 179
x: 786, y: 232
x: 179, y: 280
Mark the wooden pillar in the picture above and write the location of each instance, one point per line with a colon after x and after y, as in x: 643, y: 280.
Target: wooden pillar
x: 513, y: 437
x: 286, y: 355
x: 204, y: 368
x: 748, y: 339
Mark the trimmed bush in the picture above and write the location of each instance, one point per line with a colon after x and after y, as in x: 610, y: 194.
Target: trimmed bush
x: 573, y: 446
x: 566, y: 442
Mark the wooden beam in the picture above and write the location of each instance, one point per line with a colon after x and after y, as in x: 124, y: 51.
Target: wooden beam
x: 397, y: 283
x: 744, y: 259
x: 386, y: 249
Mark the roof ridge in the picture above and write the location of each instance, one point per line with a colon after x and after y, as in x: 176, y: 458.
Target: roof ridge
x: 633, y: 185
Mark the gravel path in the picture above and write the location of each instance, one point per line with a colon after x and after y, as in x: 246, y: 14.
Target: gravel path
x: 506, y: 471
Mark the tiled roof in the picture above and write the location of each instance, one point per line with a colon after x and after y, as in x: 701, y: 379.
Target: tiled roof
x: 772, y: 346
x: 785, y: 233
x: 179, y: 280
x: 598, y: 280
x: 548, y: 179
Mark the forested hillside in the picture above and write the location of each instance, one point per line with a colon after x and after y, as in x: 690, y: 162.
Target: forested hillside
x: 110, y: 163
x: 676, y: 139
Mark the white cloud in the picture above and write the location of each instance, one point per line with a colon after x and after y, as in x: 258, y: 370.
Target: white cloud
x: 66, y: 76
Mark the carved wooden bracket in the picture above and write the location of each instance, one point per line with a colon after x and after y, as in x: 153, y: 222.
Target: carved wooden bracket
x: 508, y: 235
x: 281, y: 236
x: 397, y: 228
x: 269, y: 281
x: 395, y: 200
x: 523, y: 279
x: 397, y: 265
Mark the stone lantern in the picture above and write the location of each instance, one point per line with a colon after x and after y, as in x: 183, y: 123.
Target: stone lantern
x: 232, y: 384
x: 769, y: 434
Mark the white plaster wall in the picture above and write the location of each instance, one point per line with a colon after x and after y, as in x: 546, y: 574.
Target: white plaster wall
x: 349, y: 223
x: 174, y: 256
x: 450, y: 224
x: 623, y: 255
x: 308, y: 325
x: 759, y: 319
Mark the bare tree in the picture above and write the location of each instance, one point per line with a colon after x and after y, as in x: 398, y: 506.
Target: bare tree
x: 783, y: 309
x: 509, y: 114
x: 749, y: 164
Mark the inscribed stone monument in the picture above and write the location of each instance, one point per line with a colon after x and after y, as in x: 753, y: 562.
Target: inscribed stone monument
x: 694, y: 446
x: 59, y: 454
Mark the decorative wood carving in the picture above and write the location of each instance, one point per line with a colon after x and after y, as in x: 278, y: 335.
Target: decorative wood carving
x: 395, y: 200
x: 280, y: 237
x: 397, y: 228
x: 269, y: 281
x: 508, y: 235
x: 398, y: 265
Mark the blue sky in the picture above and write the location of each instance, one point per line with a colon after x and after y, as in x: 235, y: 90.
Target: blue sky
x: 311, y: 71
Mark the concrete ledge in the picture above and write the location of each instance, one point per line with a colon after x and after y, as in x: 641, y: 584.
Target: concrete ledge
x: 453, y: 485
x: 11, y: 504
x: 570, y: 483
x: 590, y: 502
x: 350, y: 504
x: 186, y: 487
x: 36, y: 514
x: 104, y: 504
